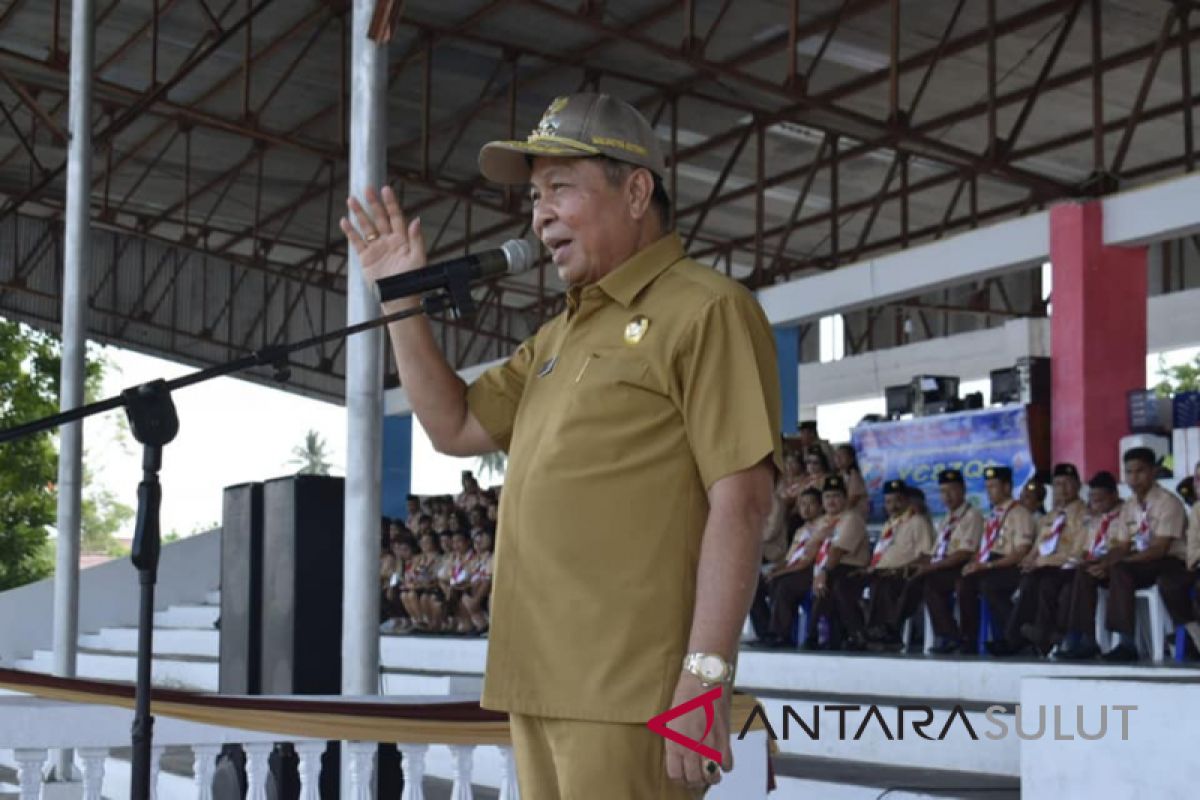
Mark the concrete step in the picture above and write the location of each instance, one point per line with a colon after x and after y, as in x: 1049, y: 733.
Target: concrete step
x: 437, y: 654
x: 194, y: 674
x: 420, y: 683
x: 213, y: 598
x: 806, y: 777
x: 198, y: 616
x: 167, y: 641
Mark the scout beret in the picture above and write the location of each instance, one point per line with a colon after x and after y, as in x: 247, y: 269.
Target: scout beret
x: 1143, y: 454
x: 1103, y: 480
x: 1187, y: 489
x: 998, y: 473
x: 1066, y: 470
x: 834, y: 483
x: 950, y: 476
x: 895, y: 487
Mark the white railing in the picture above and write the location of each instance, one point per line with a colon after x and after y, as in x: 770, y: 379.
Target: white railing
x: 32, y: 727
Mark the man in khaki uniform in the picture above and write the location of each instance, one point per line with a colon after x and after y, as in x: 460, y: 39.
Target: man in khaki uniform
x: 1061, y: 542
x: 1101, y: 537
x: 958, y: 538
x: 1183, y: 584
x: 1152, y: 545
x: 904, y: 545
x: 993, y: 571
x: 788, y: 581
x: 642, y: 427
x: 839, y: 574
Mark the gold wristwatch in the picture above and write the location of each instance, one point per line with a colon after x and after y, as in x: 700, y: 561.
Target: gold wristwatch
x: 710, y: 668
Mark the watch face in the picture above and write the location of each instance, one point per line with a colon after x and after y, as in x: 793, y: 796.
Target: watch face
x: 711, y: 668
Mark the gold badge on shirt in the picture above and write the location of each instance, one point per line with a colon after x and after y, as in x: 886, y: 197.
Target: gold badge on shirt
x: 635, y: 329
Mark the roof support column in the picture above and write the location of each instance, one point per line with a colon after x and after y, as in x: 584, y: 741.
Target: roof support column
x: 364, y: 382
x: 1097, y: 336
x: 76, y: 258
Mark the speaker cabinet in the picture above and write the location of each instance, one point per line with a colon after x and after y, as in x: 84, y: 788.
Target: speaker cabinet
x: 241, y: 589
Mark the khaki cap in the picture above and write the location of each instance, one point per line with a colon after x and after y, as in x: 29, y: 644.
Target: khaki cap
x: 577, y: 126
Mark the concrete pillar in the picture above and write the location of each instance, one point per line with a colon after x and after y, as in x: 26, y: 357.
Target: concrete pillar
x: 397, y: 464
x: 1097, y: 337
x: 787, y: 355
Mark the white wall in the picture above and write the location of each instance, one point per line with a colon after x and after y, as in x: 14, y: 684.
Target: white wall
x: 108, y: 595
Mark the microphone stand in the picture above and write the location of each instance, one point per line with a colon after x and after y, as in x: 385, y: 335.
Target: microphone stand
x: 154, y: 423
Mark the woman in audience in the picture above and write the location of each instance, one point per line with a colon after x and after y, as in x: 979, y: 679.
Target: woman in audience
x: 404, y: 550
x: 816, y: 467
x: 846, y: 461
x: 455, y: 580
x: 475, y: 598
x: 387, y: 585
x: 425, y: 582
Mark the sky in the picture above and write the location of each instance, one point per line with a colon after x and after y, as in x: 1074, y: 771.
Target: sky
x: 233, y: 431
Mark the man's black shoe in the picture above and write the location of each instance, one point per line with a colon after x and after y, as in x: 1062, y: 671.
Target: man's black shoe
x: 1121, y: 654
x: 1078, y: 652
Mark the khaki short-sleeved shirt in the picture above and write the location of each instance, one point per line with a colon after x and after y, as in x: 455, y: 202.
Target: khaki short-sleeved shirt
x: 618, y: 415
x: 1072, y: 538
x: 966, y: 529
x: 913, y: 538
x: 850, y: 536
x: 1167, y: 516
x: 1017, y: 531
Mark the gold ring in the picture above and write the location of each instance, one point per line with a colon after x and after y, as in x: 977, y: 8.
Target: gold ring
x: 370, y: 237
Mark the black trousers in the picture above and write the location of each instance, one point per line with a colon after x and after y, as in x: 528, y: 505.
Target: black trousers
x: 1039, y: 599
x: 894, y: 598
x: 996, y: 586
x: 1176, y: 590
x: 785, y: 593
x: 845, y: 587
x: 1126, y: 578
x: 936, y: 588
x: 1081, y: 618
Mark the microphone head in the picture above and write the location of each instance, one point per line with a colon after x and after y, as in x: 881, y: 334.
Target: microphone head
x: 520, y: 255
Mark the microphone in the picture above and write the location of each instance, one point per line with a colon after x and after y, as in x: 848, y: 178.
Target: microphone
x: 515, y: 255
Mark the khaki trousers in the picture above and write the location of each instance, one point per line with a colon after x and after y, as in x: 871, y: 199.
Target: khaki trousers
x: 567, y: 759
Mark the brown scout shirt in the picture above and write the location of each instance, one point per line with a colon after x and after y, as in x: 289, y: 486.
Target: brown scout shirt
x: 618, y: 415
x: 967, y: 532
x: 1167, y: 516
x: 1017, y: 531
x: 850, y: 535
x: 1073, y: 540
x: 913, y: 538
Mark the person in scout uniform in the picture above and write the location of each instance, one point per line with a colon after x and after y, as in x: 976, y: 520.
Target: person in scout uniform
x: 786, y: 583
x: 642, y: 430
x: 1152, y: 544
x: 1102, y: 532
x: 958, y: 537
x: 1045, y: 571
x: 905, y: 544
x: 994, y: 571
x: 1033, y: 497
x: 1181, y: 584
x: 838, y: 571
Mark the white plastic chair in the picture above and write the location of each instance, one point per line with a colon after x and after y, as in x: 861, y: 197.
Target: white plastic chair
x: 1160, y: 621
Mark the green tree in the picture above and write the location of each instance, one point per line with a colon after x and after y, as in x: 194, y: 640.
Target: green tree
x: 312, y: 457
x: 101, y: 516
x: 1180, y: 378
x: 30, y: 363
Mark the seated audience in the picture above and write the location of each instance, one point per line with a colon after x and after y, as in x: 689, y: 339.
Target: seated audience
x: 1047, y: 570
x: 904, y: 545
x: 839, y: 572
x: 784, y: 584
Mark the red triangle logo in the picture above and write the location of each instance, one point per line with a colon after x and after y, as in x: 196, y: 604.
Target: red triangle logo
x: 708, y: 699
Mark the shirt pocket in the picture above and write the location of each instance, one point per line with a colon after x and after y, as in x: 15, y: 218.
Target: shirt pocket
x: 613, y: 369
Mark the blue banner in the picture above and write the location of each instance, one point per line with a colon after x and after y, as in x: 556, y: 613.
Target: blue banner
x: 916, y: 450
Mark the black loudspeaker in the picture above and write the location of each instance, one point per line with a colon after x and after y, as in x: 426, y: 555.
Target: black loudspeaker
x: 302, y: 585
x: 241, y: 589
